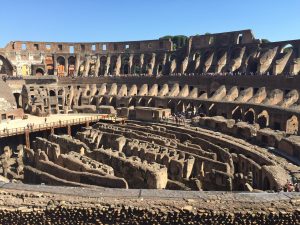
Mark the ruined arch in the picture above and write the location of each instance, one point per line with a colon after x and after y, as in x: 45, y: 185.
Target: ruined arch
x: 237, y: 114
x: 18, y: 99
x: 52, y: 93
x: 61, y: 62
x: 5, y: 66
x: 287, y: 48
x: 125, y: 64
x: 263, y: 119
x: 113, y: 63
x: 71, y: 63
x: 250, y: 116
x: 292, y: 125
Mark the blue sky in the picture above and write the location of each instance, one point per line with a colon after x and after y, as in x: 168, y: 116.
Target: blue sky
x: 121, y: 20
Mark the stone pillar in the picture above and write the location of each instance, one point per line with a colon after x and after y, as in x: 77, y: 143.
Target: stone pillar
x: 141, y: 62
x: 77, y: 64
x: 27, y: 138
x: 54, y: 65
x: 69, y: 130
x: 97, y: 66
x: 130, y: 63
x: 66, y: 66
x: 118, y: 66
x: 107, y: 65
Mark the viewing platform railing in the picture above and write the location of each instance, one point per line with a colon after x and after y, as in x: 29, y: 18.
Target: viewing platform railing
x: 31, y: 127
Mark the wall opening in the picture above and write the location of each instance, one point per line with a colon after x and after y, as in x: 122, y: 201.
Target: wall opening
x: 249, y: 116
x: 24, y: 46
x: 39, y: 72
x: 71, y: 49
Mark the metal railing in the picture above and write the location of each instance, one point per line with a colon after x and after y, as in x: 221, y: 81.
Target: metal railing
x: 31, y: 127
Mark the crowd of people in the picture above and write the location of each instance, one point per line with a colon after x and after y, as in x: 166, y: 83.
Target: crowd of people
x: 10, y: 77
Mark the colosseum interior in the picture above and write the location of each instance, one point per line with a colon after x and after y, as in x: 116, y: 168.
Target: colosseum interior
x: 141, y: 131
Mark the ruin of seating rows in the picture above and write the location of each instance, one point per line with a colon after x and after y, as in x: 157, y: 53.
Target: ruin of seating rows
x: 275, y: 108
x: 151, y: 156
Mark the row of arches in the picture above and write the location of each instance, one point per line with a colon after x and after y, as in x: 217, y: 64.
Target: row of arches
x: 262, y: 118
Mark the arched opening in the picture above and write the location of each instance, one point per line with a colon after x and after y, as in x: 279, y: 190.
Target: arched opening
x: 92, y: 66
x: 239, y: 39
x: 103, y: 66
x: 113, y: 63
x: 136, y: 68
x: 142, y: 102
x: 172, y: 106
x: 263, y: 119
x: 201, y: 93
x: 5, y: 66
x: 159, y: 69
x: 60, y: 92
x: 52, y: 93
x: 39, y: 72
x: 113, y: 102
x: 49, y: 65
x: 212, y: 110
x: 125, y: 64
x: 102, y: 101
x: 287, y: 48
x: 18, y: 99
x: 237, y: 114
x: 61, y: 66
x: 250, y: 116
x: 126, y: 69
x: 221, y: 54
x: 132, y: 102
x: 252, y: 65
x: 71, y: 69
x: 151, y: 103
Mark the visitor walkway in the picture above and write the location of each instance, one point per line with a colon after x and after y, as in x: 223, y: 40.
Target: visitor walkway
x: 35, y: 124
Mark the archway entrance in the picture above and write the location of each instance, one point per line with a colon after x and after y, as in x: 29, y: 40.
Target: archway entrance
x: 237, y: 114
x: 263, y: 119
x: 249, y: 116
x: 61, y: 66
x: 5, y: 66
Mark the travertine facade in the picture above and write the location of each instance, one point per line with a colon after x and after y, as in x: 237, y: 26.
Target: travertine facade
x: 237, y: 51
